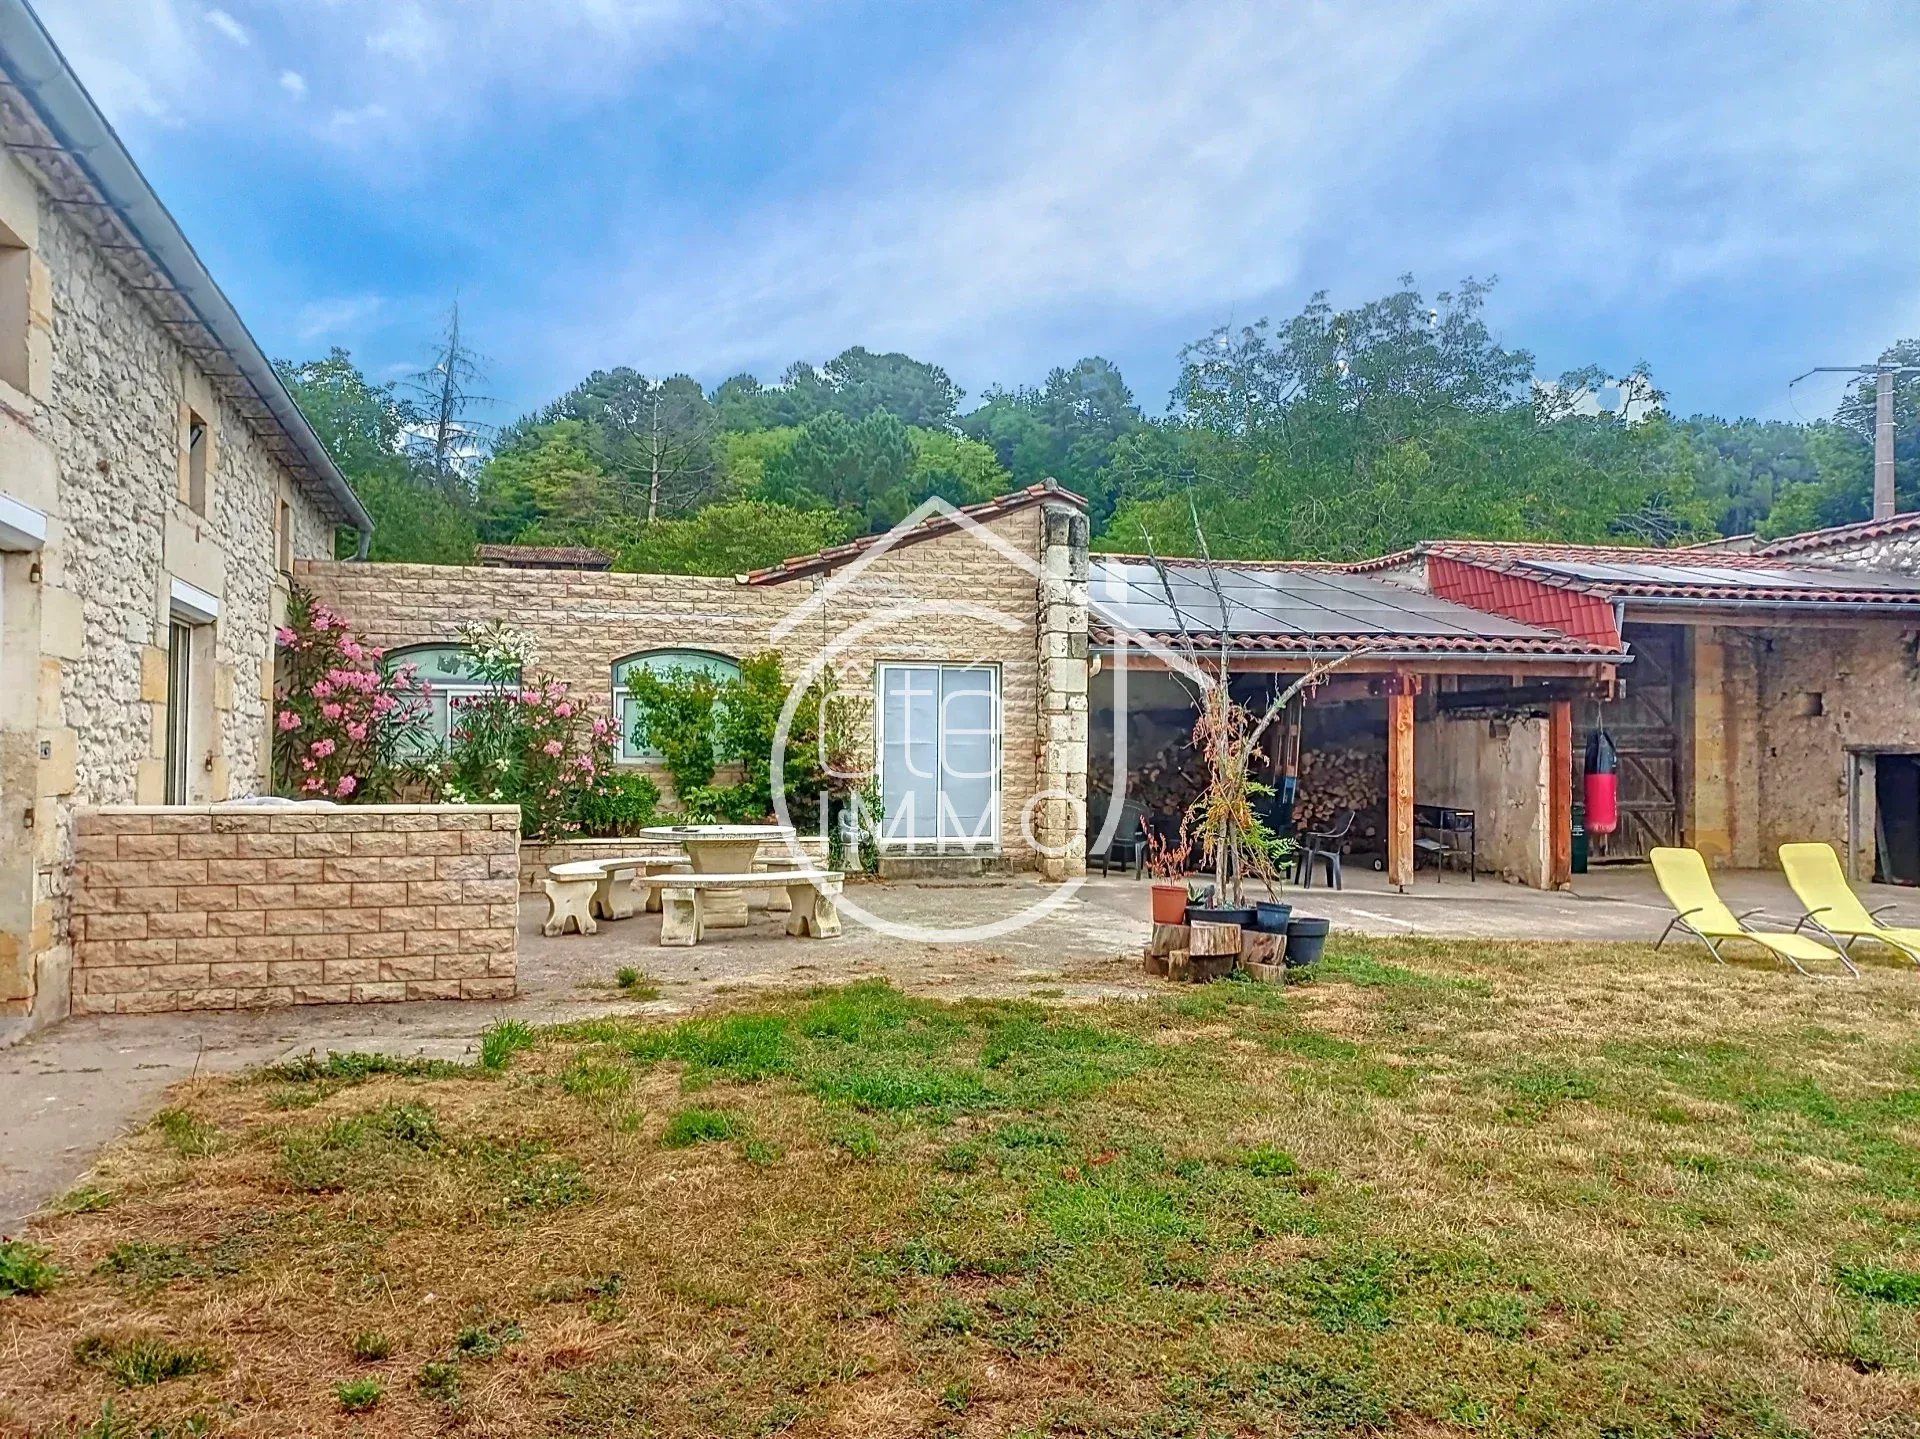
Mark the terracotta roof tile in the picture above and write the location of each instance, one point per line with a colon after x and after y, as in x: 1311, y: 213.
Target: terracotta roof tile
x: 1842, y: 534
x: 546, y: 557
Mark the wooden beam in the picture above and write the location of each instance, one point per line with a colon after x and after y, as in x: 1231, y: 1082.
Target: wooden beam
x: 1400, y: 781
x: 1560, y: 795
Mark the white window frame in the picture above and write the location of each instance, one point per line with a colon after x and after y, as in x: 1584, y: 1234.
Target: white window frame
x: 453, y: 690
x: 940, y: 844
x: 182, y: 647
x: 623, y: 752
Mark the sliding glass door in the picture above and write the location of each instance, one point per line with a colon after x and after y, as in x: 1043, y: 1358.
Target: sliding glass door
x: 940, y: 756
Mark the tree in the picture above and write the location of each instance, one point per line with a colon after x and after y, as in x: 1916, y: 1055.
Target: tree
x: 654, y: 439
x: 861, y: 383
x: 1064, y: 431
x: 547, y: 485
x: 858, y: 468
x: 450, y: 441
x: 365, y: 428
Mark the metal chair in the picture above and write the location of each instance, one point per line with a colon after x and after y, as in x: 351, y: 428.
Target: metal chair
x: 1129, y: 843
x: 1323, y: 846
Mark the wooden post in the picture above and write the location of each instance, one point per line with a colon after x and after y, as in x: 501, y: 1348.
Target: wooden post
x: 1400, y: 780
x: 1560, y: 794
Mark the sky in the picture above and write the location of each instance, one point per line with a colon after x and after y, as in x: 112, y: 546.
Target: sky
x: 1729, y: 192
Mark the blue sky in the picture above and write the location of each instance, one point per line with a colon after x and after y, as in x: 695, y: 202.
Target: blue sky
x: 1728, y: 191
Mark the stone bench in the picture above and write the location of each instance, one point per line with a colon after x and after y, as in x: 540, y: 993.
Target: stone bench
x: 583, y: 890
x: 813, y: 896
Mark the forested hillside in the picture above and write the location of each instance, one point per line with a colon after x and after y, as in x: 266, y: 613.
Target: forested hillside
x: 1333, y: 434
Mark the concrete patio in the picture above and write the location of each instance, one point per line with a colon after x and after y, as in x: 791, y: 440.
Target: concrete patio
x: 72, y: 1088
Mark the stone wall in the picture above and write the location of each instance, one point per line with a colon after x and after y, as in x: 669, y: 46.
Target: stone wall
x: 1898, y: 552
x: 95, y: 444
x: 243, y: 906
x: 1777, y: 717
x: 955, y: 598
x: 1497, y: 767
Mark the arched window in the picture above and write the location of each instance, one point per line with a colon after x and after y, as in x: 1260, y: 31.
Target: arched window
x: 446, y: 671
x: 626, y: 708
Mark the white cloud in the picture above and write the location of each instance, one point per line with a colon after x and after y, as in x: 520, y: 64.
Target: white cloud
x: 229, y: 27
x: 332, y: 318
x: 294, y: 83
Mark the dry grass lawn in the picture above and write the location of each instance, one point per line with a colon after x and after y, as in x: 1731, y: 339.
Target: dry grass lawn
x: 1457, y: 1188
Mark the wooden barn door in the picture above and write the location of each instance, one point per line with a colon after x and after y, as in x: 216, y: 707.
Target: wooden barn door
x: 1645, y: 725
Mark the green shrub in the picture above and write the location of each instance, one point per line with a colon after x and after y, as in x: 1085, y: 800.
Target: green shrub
x: 622, y: 802
x: 26, y: 1268
x: 185, y: 1134
x: 356, y: 1396
x: 1889, y: 1286
x: 439, y: 1379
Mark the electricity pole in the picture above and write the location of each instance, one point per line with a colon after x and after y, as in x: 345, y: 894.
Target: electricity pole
x: 1883, y: 377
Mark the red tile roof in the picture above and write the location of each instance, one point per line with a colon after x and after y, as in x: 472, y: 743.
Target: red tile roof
x: 1842, y: 535
x: 931, y: 528
x: 543, y: 557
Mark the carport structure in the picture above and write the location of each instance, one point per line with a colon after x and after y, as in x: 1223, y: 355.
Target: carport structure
x: 1473, y: 710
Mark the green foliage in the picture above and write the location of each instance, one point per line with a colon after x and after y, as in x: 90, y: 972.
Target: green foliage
x: 364, y: 427
x: 547, y: 479
x: 370, y: 1346
x: 677, y: 722
x: 487, y: 1341
x: 1065, y: 431
x: 701, y: 1126
x: 26, y: 1269
x: 1872, y: 1281
x: 500, y: 1042
x: 730, y: 538
x: 623, y: 802
x: 185, y: 1133
x: 356, y: 1396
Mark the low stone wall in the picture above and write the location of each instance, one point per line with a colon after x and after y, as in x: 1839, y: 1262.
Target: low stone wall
x: 249, y: 906
x: 535, y: 859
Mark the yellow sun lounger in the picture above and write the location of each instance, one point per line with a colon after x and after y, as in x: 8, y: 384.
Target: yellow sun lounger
x: 1833, y: 908
x: 1689, y: 889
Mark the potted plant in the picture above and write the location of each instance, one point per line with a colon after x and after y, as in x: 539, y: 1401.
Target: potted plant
x: 1168, y: 862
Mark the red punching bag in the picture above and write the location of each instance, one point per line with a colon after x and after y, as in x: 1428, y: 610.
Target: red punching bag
x: 1603, y: 784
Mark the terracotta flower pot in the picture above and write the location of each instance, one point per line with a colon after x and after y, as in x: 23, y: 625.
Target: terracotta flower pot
x: 1169, y: 903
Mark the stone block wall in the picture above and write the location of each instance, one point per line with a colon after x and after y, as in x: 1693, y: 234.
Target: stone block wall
x: 244, y: 906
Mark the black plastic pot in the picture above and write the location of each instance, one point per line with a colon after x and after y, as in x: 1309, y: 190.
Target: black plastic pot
x: 1207, y: 914
x: 1272, y: 917
x: 1306, y: 937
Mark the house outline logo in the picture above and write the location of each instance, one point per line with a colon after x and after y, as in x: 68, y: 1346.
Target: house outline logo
x: 936, y: 510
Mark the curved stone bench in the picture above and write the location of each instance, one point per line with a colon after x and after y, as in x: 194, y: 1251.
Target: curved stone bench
x: 814, y: 896
x: 582, y: 890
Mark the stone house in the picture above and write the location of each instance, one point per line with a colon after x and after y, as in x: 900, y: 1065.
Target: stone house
x: 966, y: 629
x: 157, y: 485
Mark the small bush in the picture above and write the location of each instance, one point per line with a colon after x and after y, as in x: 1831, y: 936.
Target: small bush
x: 439, y: 1379
x: 370, y: 1346
x: 26, y: 1268
x: 355, y: 1067
x: 504, y: 1040
x: 140, y: 1361
x: 621, y: 802
x: 356, y: 1396
x: 635, y: 985
x: 1266, y: 1162
x: 485, y: 1341
x: 699, y: 1126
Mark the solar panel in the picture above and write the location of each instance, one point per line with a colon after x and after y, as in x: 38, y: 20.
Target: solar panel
x: 1707, y: 576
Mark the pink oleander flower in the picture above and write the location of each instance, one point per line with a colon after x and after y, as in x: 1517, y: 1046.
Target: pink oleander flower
x: 553, y: 747
x: 322, y: 748
x: 312, y: 786
x: 331, y: 710
x: 284, y: 636
x: 348, y: 784
x: 322, y: 618
x: 288, y: 720
x: 385, y: 704
x: 599, y: 727
x: 321, y: 689
x: 563, y: 710
x: 356, y: 732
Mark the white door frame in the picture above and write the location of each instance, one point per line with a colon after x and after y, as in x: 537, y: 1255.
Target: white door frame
x: 991, y: 844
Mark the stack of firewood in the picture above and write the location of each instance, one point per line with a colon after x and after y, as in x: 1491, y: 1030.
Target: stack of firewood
x: 1335, y: 779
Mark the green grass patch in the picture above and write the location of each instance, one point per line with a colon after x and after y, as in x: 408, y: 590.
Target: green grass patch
x: 185, y: 1134
x: 697, y: 1125
x: 500, y: 1042
x: 140, y: 1360
x: 1872, y: 1281
x: 357, y: 1396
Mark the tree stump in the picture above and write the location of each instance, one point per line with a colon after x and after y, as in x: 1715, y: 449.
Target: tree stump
x: 1214, y: 940
x: 1166, y: 939
x: 1259, y: 947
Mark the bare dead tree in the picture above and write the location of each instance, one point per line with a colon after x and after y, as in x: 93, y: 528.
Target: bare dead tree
x: 450, y: 440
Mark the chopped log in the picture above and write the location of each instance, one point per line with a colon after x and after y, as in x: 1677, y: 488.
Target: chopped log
x: 1166, y: 939
x: 1265, y: 973
x: 1214, y: 939
x: 1155, y: 964
x: 1177, y: 965
x: 1204, y: 969
x: 1259, y: 947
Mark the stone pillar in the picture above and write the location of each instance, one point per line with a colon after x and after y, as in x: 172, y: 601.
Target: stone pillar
x: 1059, y: 822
